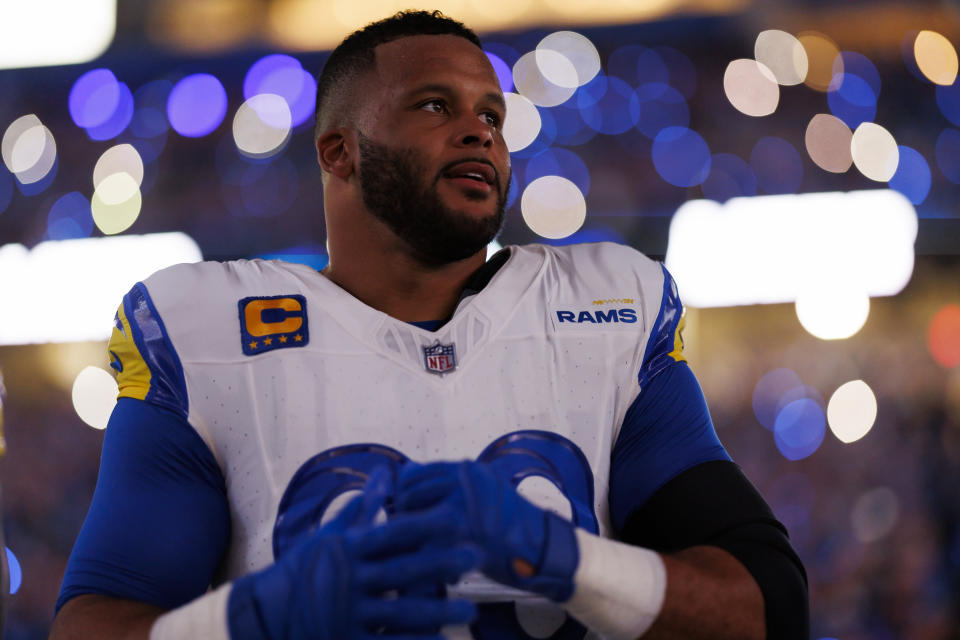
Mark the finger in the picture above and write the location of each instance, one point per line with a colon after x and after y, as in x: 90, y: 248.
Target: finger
x: 412, y: 570
x: 412, y: 614
x: 348, y: 516
x: 413, y: 473
x: 406, y: 532
x: 375, y: 493
x: 426, y: 493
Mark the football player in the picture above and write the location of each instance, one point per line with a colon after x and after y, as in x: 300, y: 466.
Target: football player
x: 527, y: 424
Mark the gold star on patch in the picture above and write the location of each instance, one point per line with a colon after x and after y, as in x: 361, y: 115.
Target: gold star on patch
x: 283, y: 338
x: 298, y: 338
x: 268, y: 341
x: 253, y: 345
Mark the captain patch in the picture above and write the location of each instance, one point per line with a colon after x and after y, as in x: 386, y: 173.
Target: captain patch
x: 273, y: 322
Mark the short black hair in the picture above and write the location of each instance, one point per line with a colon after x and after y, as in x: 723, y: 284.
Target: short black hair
x: 355, y: 56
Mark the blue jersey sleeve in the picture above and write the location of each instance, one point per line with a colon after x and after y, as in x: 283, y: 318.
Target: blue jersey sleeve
x: 159, y: 523
x: 666, y: 431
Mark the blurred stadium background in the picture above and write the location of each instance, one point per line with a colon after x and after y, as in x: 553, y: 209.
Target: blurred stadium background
x: 795, y: 163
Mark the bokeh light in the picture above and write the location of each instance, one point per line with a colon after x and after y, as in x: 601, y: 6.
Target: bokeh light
x: 875, y: 152
x: 682, y: 73
x: 948, y: 99
x: 913, y: 177
x: 851, y: 99
x: 769, y: 391
x: 681, y: 156
x: 637, y: 65
x: 502, y: 69
x: 948, y: 154
x: 283, y: 76
x: 799, y: 429
x: 6, y: 189
x: 852, y: 410
x: 118, y: 121
x: 936, y: 57
x: 122, y: 158
x: 522, y: 125
x: 730, y: 177
x: 196, y: 105
x: 70, y: 217
x: 833, y: 313
x: 94, y: 396
x: 577, y: 49
x: 943, y: 336
x: 656, y: 106
x: 751, y: 87
x: 16, y: 572
x: 116, y: 203
x: 875, y: 514
x: 777, y: 165
x: 29, y: 150
x: 553, y: 207
x: 783, y: 54
x: 828, y: 141
x: 41, y: 185
x: 94, y: 98
x: 559, y: 162
x: 857, y: 64
x: 262, y: 125
x: 530, y: 81
x: 611, y: 112
x: 822, y: 52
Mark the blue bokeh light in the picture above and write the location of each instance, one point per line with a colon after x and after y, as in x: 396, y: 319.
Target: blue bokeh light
x: 681, y: 156
x: 590, y: 93
x: 284, y: 76
x: 656, y: 106
x: 196, y: 105
x: 148, y: 148
x: 118, y: 120
x: 514, y: 190
x: 149, y: 122
x: 777, y: 165
x: 948, y: 154
x: 94, y: 97
x: 571, y: 129
x: 622, y: 62
x: 610, y: 113
x: 503, y: 71
x: 768, y: 391
x: 683, y: 74
x: 503, y: 51
x: 948, y: 99
x: 851, y: 99
x: 651, y: 68
x: 559, y: 162
x: 799, y: 429
x: 860, y: 66
x: 730, y: 177
x: 16, y: 573
x: 800, y: 393
x: 913, y: 177
x: 70, y: 217
x: 6, y: 188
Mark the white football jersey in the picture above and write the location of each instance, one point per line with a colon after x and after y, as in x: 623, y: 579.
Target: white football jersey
x: 299, y: 389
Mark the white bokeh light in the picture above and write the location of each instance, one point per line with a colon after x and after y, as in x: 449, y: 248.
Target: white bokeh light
x: 852, y: 411
x: 827, y: 140
x: 751, y: 87
x: 122, y: 158
x: 784, y: 55
x: 553, y: 207
x: 116, y: 203
x: 875, y: 152
x: 530, y: 81
x: 833, y: 313
x: 577, y: 49
x: 522, y: 125
x: 94, y: 396
x: 28, y: 149
x: 262, y: 125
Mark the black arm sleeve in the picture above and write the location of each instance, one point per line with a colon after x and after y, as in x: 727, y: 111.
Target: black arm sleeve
x: 715, y: 504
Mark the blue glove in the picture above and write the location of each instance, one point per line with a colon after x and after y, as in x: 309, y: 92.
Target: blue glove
x: 524, y: 546
x: 332, y: 585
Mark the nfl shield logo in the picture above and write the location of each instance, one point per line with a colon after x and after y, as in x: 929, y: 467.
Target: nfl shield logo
x: 440, y: 358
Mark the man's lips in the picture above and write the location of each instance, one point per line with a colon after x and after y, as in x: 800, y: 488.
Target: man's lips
x: 478, y: 174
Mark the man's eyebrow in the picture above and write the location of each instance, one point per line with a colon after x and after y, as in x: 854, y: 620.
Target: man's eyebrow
x: 493, y: 97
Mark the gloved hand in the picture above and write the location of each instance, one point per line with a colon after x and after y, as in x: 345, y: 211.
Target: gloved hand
x: 334, y: 584
x: 524, y: 546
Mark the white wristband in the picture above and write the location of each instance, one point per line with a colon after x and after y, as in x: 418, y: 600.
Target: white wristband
x: 205, y: 617
x: 618, y: 588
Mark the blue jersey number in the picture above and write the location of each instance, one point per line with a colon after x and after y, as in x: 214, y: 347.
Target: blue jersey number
x: 515, y: 456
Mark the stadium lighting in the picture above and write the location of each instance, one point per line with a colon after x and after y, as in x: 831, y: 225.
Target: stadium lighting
x: 69, y: 290
x: 775, y: 249
x: 52, y: 32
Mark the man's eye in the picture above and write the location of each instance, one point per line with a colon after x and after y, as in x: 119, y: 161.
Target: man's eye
x: 493, y: 119
x: 436, y: 106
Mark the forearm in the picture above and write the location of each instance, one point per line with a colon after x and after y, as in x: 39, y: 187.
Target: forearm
x: 96, y: 616
x: 623, y: 592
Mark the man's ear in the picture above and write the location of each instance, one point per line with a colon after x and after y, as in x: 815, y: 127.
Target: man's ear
x: 333, y: 152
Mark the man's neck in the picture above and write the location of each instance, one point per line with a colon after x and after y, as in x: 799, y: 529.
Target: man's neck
x: 402, y: 287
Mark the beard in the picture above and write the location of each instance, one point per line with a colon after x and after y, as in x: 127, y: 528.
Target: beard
x: 394, y: 187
